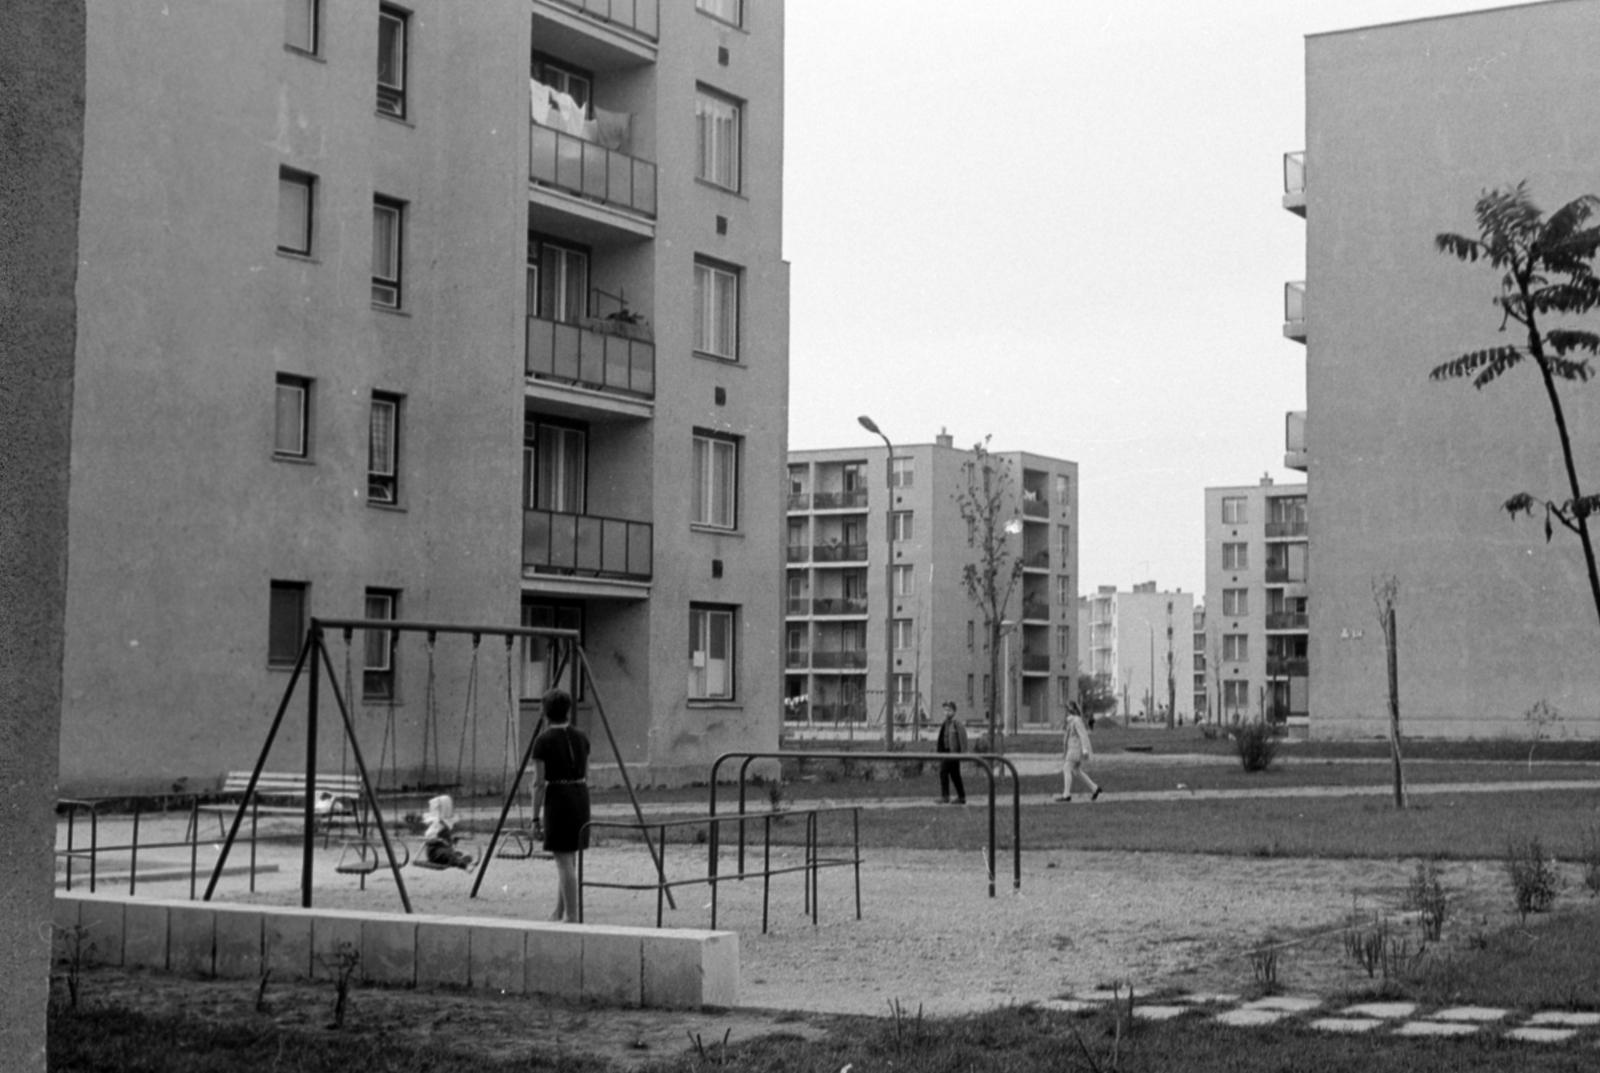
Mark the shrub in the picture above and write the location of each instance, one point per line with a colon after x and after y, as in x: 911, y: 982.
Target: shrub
x: 1257, y: 745
x: 1427, y: 896
x: 1533, y: 877
x: 1589, y: 856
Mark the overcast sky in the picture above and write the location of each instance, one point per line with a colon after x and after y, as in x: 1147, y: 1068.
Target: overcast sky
x: 1059, y: 223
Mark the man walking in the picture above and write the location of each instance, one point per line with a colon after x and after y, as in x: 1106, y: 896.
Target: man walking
x: 952, y: 739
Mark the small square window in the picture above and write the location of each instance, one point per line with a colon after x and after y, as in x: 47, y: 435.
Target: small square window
x: 718, y: 121
x: 902, y: 471
x: 296, y: 204
x: 1234, y: 510
x: 716, y: 326
x: 716, y: 481
x: 711, y: 652
x: 286, y: 622
x: 377, y: 667
x: 301, y: 19
x: 392, y: 61
x: 1235, y: 647
x: 383, y: 449
x: 291, y: 417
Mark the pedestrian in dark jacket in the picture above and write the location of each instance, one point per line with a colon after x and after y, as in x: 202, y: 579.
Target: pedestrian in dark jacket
x: 952, y: 739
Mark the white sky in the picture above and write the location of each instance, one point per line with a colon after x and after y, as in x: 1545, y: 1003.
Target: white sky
x: 1058, y: 222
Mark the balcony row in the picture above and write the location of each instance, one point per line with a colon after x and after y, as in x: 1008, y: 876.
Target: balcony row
x: 642, y: 17
x: 851, y: 500
x: 1288, y: 666
x: 1287, y: 620
x: 847, y: 660
x: 827, y: 553
x: 847, y: 606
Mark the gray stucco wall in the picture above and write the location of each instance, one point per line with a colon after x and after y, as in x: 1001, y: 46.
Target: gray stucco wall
x: 41, y: 149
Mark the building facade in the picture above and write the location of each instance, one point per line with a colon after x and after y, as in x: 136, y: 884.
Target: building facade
x: 1140, y: 648
x: 1257, y: 603
x: 1406, y: 126
x: 436, y: 312
x: 844, y: 609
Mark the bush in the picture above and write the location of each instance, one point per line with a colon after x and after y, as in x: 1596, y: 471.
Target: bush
x: 1257, y: 745
x: 1589, y: 855
x: 1427, y: 896
x: 1534, y: 879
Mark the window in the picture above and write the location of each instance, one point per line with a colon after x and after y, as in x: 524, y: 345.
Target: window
x: 1286, y: 510
x: 300, y: 18
x: 292, y: 409
x: 901, y: 524
x: 797, y: 480
x: 554, y: 466
x: 545, y: 666
x: 716, y: 296
x: 901, y: 472
x: 1064, y: 591
x: 717, y: 123
x: 377, y: 667
x: 716, y: 472
x: 1235, y: 694
x: 726, y: 10
x: 1063, y: 543
x: 1235, y: 647
x: 1233, y: 510
x: 904, y: 583
x: 1063, y: 489
x: 1235, y: 601
x: 971, y: 634
x: 572, y: 81
x: 710, y: 653
x: 855, y: 476
x: 1063, y: 691
x: 388, y: 220
x: 1235, y: 556
x: 904, y: 695
x: 1063, y: 640
x: 558, y: 281
x: 903, y: 635
x: 392, y: 61
x: 383, y: 449
x: 295, y: 205
x: 286, y: 622
x: 969, y: 690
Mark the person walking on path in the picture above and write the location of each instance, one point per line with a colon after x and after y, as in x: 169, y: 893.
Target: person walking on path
x: 952, y: 739
x: 561, y: 791
x: 1077, y: 751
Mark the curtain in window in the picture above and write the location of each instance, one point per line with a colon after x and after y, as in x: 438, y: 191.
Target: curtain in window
x: 559, y: 465
x: 539, y: 655
x: 710, y: 654
x: 718, y: 128
x: 380, y: 442
x: 385, y: 237
x: 563, y: 284
x: 717, y: 300
x: 391, y: 51
x: 715, y: 474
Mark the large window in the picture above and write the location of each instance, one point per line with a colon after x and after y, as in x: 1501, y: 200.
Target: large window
x: 1235, y: 647
x: 904, y: 581
x: 392, y: 61
x: 726, y: 10
x: 1235, y: 695
x: 300, y: 24
x: 554, y: 465
x: 716, y: 295
x: 1233, y: 510
x: 296, y: 202
x: 1063, y: 640
x: 286, y: 622
x: 1064, y: 591
x: 388, y: 251
x: 1235, y: 556
x: 1063, y: 489
x: 901, y: 524
x: 716, y: 481
x: 291, y: 417
x: 711, y: 652
x: 545, y: 664
x: 717, y: 120
x: 904, y: 692
x: 1235, y: 601
x: 902, y: 471
x: 562, y: 78
x: 383, y: 449
x: 377, y: 667
x: 558, y: 281
x: 904, y: 635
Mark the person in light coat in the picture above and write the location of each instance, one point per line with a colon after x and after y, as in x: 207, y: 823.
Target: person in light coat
x: 1077, y: 750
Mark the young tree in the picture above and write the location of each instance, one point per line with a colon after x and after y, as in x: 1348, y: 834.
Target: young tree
x: 988, y: 506
x: 1385, y: 593
x: 1547, y: 269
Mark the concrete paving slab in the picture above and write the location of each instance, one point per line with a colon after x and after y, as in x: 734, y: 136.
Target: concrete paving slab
x: 1474, y: 1014
x: 1345, y: 1024
x: 1102, y: 995
x: 1159, y: 1013
x: 1565, y: 1017
x: 1388, y: 1011
x: 1535, y: 1034
x: 1071, y: 1005
x: 1247, y: 1018
x: 1285, y: 1003
x: 1207, y: 998
x: 1436, y: 1028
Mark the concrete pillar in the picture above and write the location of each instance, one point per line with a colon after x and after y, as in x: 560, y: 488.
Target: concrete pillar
x: 41, y: 162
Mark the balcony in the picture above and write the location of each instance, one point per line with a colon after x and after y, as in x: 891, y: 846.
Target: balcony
x: 1285, y: 620
x: 799, y: 501
x: 1294, y: 440
x: 1277, y: 574
x: 607, y: 177
x: 839, y: 605
x: 1294, y: 182
x: 1036, y: 507
x: 839, y: 553
x: 797, y: 658
x: 580, y: 356
x: 1288, y: 666
x: 642, y: 17
x: 1286, y: 529
x: 827, y: 661
x: 586, y: 545
x: 799, y: 553
x: 798, y: 605
x: 1036, y: 560
x: 1035, y: 663
x: 1294, y: 311
x: 1036, y: 609
x: 853, y: 500
x: 844, y: 712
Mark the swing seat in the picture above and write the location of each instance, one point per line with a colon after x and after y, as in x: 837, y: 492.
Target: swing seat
x: 519, y: 845
x: 364, y: 863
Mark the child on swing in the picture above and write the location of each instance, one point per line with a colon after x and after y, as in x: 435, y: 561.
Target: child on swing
x: 439, y: 841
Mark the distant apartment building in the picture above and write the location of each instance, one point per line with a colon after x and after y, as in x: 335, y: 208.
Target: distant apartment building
x: 1406, y: 126
x: 844, y: 609
x: 1139, y: 646
x: 450, y: 312
x: 1201, y: 677
x: 1256, y: 606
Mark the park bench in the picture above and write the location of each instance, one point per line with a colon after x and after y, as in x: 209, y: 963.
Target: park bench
x: 339, y: 798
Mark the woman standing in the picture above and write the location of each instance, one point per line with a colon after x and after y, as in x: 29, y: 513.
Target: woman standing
x: 1078, y: 751
x: 561, y: 796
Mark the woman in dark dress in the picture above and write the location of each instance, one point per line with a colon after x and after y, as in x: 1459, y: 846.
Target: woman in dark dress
x: 561, y: 796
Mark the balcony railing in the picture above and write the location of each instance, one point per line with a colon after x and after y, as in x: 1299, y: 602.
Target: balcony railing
x: 797, y: 657
x: 839, y: 553
x: 845, y: 712
x: 799, y: 553
x: 838, y: 660
x: 839, y: 605
x: 586, y: 545
x: 840, y: 500
x: 1286, y: 529
x: 799, y: 605
x: 1035, y: 609
x: 1288, y: 666
x: 1036, y: 662
x: 1294, y: 440
x: 576, y: 355
x: 641, y: 16
x: 1038, y: 560
x: 1036, y: 508
x: 1294, y: 172
x: 1294, y: 310
x: 1285, y: 620
x: 569, y: 163
x: 799, y: 501
x: 1277, y: 573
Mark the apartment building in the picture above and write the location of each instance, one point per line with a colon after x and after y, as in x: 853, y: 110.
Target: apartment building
x: 848, y: 518
x: 1406, y: 126
x: 1139, y: 645
x: 469, y: 313
x: 1257, y: 599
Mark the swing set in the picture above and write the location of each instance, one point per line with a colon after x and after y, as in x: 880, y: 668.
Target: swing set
x: 368, y: 856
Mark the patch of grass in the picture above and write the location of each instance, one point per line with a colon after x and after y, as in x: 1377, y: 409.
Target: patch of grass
x: 1553, y: 963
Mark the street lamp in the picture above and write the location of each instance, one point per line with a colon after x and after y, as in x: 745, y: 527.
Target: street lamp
x: 888, y: 582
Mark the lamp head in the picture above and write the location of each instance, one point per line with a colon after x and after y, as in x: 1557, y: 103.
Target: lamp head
x: 1014, y: 526
x: 868, y: 424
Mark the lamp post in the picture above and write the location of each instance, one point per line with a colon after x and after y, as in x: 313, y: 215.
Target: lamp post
x: 888, y: 581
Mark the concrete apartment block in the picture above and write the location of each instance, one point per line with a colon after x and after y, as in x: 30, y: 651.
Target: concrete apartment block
x: 444, y: 952
x: 498, y: 955
x: 551, y: 950
x: 144, y: 934
x: 239, y: 942
x: 389, y: 949
x: 191, y: 939
x: 690, y: 969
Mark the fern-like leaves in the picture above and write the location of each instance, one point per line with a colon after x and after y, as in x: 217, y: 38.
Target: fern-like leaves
x: 1482, y: 365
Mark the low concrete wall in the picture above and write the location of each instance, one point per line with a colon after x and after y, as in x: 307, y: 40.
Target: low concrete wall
x: 620, y: 966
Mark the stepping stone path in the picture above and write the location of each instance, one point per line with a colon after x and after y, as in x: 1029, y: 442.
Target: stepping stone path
x: 1400, y: 1018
